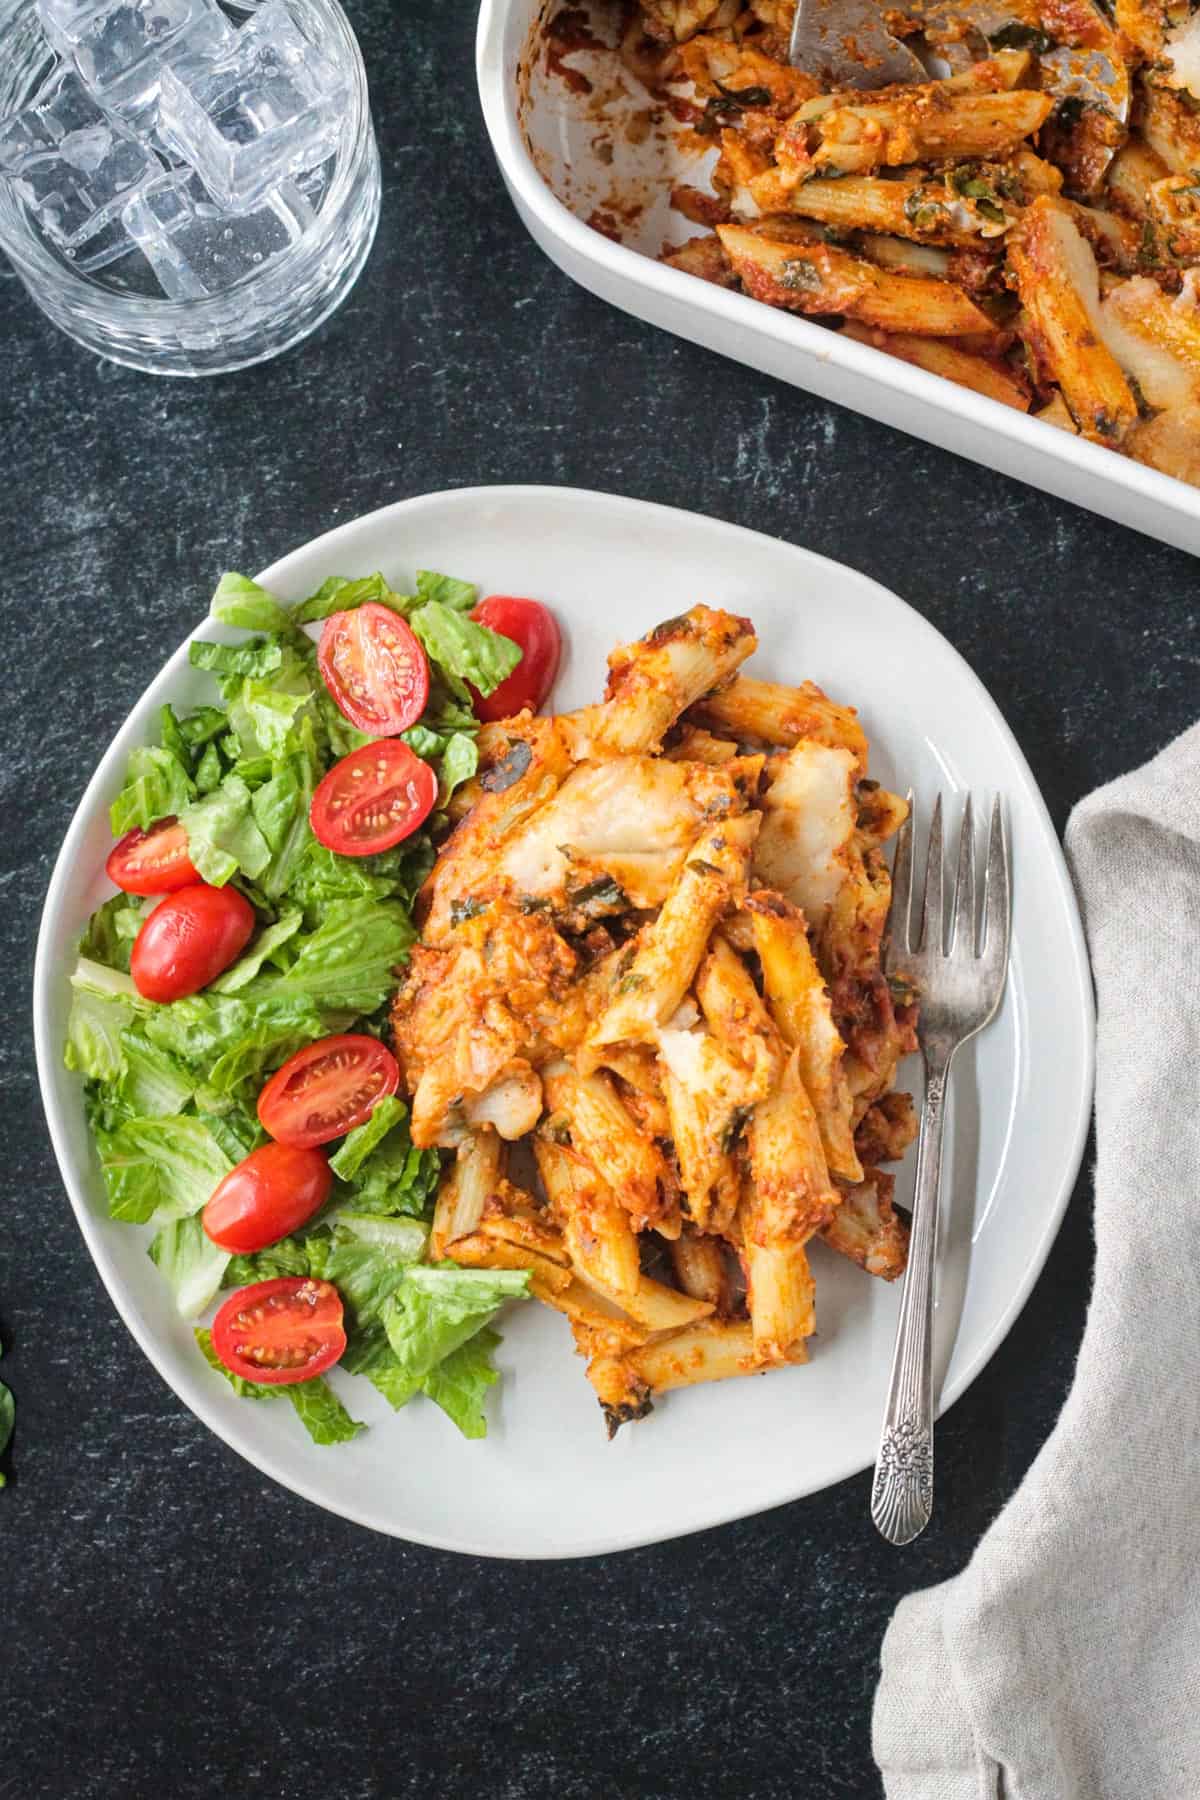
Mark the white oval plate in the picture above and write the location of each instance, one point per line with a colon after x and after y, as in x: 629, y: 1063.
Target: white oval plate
x: 545, y: 1483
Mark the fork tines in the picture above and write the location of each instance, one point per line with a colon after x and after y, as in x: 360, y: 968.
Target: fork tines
x: 985, y: 939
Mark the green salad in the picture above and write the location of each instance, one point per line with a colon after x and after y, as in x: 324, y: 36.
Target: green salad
x: 172, y: 1086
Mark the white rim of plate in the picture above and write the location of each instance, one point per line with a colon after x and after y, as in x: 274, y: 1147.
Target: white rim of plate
x: 48, y: 1050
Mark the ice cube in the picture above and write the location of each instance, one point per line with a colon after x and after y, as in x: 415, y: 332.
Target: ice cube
x: 196, y: 248
x: 104, y: 247
x: 74, y: 167
x: 120, y: 47
x: 59, y: 16
x: 269, y: 106
x: 314, y: 182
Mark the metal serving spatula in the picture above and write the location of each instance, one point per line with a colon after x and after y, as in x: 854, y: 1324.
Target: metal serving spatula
x: 848, y: 44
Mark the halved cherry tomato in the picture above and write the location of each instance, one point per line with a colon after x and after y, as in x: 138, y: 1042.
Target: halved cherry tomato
x: 375, y: 669
x: 272, y: 1192
x: 187, y: 941
x: 534, y: 629
x: 279, y: 1331
x: 152, y: 862
x: 327, y: 1089
x: 372, y: 799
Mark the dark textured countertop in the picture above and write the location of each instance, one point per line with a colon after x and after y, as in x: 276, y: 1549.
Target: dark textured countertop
x: 175, y: 1625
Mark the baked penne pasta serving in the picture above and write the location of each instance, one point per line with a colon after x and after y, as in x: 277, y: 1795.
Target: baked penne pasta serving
x: 646, y: 1020
x: 1026, y: 222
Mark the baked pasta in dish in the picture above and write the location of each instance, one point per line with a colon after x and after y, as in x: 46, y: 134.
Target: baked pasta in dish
x: 1027, y: 225
x: 650, y: 956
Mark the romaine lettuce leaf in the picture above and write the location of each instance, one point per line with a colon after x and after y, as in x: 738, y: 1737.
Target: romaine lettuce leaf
x: 459, y: 1385
x: 423, y: 742
x: 157, y: 786
x: 172, y: 736
x: 236, y: 1130
x: 111, y: 930
x: 323, y: 877
x: 460, y: 596
x: 291, y: 1256
x: 459, y: 761
x: 160, y: 1168
x: 455, y: 754
x: 343, y: 737
x: 393, y: 1176
x: 365, y: 1276
x: 209, y: 1028
x: 257, y: 658
x: 281, y: 807
x: 359, y: 1143
x: 245, y: 605
x: 201, y: 726
x: 464, y: 650
x: 269, y: 940
x: 265, y: 714
x: 109, y: 983
x: 340, y: 594
x: 320, y: 1411
x: 437, y: 1310
x: 153, y: 1084
x: 348, y: 962
x: 449, y: 707
x: 210, y: 770
x: 402, y: 1239
x: 191, y: 1262
x: 222, y: 835
x: 96, y: 1026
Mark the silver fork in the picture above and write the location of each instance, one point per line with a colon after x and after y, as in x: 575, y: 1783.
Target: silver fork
x: 960, y: 985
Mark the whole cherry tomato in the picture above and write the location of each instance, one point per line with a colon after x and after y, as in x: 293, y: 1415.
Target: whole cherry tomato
x: 188, y: 940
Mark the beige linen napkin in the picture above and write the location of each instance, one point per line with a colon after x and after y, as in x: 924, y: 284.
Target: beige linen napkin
x: 1064, y: 1662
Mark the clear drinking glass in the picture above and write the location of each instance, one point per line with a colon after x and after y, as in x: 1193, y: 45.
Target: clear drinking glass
x: 120, y: 309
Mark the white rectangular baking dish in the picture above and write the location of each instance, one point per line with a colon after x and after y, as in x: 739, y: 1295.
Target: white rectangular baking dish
x: 567, y: 156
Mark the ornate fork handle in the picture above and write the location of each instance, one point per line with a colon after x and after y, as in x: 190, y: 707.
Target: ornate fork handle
x: 902, y: 1494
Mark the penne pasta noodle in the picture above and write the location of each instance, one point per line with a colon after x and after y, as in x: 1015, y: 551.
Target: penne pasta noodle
x: 983, y: 374
x: 714, y: 1350
x: 921, y: 207
x: 465, y: 1190
x: 596, y: 1230
x: 694, y: 744
x: 738, y: 1020
x: 601, y: 1128
x: 700, y: 1268
x: 922, y: 123
x: 817, y: 278
x: 464, y: 870
x: 615, y: 833
x: 799, y: 1002
x: 1057, y: 282
x: 794, y: 1193
x: 652, y: 682
x: 709, y: 884
x: 779, y: 1285
x: 1169, y: 127
x: 1131, y: 174
x: 766, y: 712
